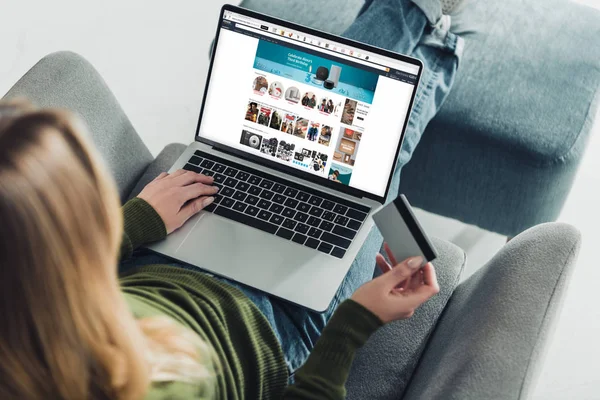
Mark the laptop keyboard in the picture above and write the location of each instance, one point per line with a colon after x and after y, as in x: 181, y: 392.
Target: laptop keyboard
x: 291, y: 211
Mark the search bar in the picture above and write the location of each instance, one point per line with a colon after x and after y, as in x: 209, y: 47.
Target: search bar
x: 301, y: 44
x: 243, y: 20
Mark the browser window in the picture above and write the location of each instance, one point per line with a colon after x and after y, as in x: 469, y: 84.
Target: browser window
x: 319, y: 106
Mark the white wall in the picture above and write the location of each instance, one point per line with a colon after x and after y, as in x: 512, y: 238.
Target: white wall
x: 153, y: 55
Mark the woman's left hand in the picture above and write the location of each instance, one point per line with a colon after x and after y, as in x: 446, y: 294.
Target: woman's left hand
x: 178, y: 196
x: 400, y: 290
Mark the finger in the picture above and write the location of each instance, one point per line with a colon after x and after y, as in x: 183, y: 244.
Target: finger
x: 405, y: 285
x: 419, y: 296
x: 390, y: 255
x: 196, y: 190
x: 177, y: 173
x: 194, y: 207
x: 430, y: 277
x: 415, y: 281
x: 401, y: 271
x: 383, y: 265
x: 160, y: 176
x: 208, y: 180
x: 427, y: 290
x: 190, y: 177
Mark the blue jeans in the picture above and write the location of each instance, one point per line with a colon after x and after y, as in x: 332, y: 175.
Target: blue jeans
x: 404, y: 27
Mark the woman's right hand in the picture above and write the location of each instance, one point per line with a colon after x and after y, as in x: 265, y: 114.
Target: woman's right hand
x: 400, y: 290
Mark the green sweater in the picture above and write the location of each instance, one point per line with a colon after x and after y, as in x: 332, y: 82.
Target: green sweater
x: 252, y: 364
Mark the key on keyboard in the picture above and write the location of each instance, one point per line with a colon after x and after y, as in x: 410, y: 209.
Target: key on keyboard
x: 207, y: 164
x: 304, y: 207
x: 195, y: 160
x: 278, y: 188
x: 303, y: 196
x: 239, y: 195
x: 218, y: 168
x: 242, y: 176
x: 252, y: 199
x: 230, y: 182
x: 193, y: 168
x: 230, y: 172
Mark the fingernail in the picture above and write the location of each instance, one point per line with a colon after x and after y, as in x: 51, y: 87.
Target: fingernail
x: 208, y: 201
x: 216, y: 188
x: 415, y: 262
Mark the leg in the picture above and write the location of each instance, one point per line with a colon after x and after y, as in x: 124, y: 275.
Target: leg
x: 415, y: 28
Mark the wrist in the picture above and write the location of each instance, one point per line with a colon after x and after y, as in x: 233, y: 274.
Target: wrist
x: 348, y: 329
x: 142, y: 224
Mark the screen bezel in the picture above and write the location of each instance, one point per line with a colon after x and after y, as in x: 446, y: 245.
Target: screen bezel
x: 323, y: 181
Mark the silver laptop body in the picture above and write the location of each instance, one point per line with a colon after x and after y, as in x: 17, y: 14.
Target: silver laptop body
x: 233, y: 136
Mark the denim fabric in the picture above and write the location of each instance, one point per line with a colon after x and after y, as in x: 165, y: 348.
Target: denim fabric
x: 401, y: 26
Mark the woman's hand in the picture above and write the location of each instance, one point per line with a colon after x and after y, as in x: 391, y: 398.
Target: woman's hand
x: 178, y: 196
x: 400, y: 290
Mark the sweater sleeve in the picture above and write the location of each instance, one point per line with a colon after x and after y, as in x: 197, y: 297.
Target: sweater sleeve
x: 324, y: 374
x: 142, y: 225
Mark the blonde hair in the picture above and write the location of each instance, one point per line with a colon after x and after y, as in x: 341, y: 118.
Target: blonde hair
x: 67, y: 332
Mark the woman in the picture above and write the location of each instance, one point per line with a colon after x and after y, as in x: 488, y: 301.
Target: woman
x: 334, y: 176
x: 73, y: 330
x: 323, y: 105
x: 305, y: 99
x: 252, y: 112
x: 329, y: 106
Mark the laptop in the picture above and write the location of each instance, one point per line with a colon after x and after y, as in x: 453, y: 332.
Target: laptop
x: 300, y: 130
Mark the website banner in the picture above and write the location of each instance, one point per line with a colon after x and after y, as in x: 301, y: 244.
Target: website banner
x: 316, y: 71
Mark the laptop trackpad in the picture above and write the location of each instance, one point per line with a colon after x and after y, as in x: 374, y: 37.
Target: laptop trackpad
x: 245, y: 254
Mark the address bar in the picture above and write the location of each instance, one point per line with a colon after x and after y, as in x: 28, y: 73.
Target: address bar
x: 243, y: 20
x: 301, y: 44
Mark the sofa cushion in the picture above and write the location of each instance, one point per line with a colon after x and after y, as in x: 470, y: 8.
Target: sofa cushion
x: 504, y: 148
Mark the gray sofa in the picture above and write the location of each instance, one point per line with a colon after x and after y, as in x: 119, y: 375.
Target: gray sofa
x: 480, y: 339
x: 504, y: 148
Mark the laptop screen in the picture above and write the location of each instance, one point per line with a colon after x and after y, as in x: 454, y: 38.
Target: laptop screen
x: 328, y: 109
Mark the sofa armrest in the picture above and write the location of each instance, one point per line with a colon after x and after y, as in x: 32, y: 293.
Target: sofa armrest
x: 383, y: 367
x: 489, y: 342
x: 67, y: 80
